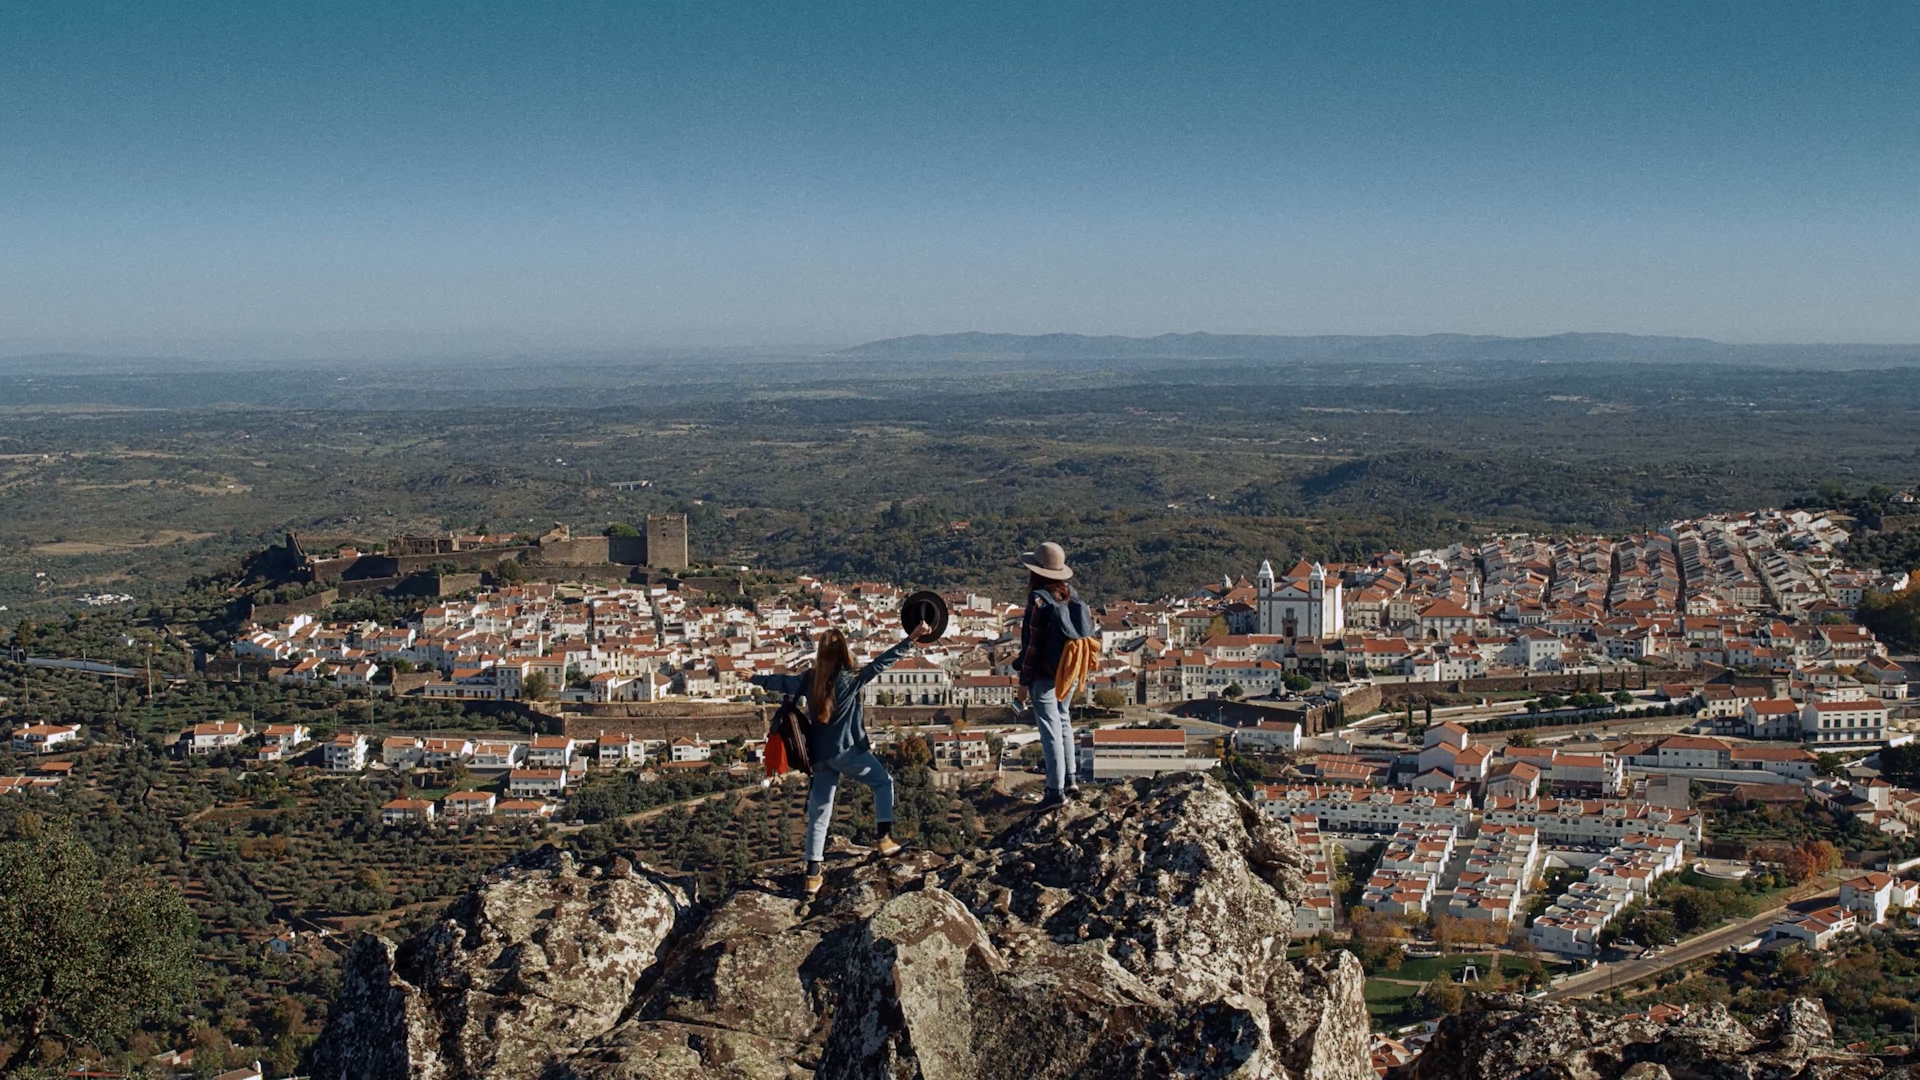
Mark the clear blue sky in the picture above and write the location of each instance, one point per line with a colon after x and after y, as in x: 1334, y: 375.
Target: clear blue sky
x: 339, y: 175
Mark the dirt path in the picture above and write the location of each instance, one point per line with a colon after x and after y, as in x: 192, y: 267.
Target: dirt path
x: 655, y: 811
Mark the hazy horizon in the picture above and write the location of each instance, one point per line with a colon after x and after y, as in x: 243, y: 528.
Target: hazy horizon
x: 452, y: 348
x: 1045, y: 348
x: 375, y: 346
x: 216, y: 179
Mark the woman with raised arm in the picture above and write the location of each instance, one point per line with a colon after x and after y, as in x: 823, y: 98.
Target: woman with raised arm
x: 1053, y: 618
x: 837, y: 743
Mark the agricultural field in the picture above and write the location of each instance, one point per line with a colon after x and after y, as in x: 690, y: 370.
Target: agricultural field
x: 282, y: 864
x: 1157, y: 474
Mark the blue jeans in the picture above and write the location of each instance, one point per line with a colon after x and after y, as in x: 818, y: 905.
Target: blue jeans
x: 1056, y: 734
x: 861, y: 765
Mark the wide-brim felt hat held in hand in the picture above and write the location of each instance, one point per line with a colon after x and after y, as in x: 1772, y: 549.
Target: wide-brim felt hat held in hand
x: 1049, y: 560
x: 924, y: 607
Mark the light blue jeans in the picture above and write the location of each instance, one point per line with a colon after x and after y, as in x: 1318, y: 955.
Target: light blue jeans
x: 861, y: 765
x: 1056, y: 734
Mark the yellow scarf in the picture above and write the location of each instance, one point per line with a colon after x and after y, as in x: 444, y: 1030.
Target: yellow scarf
x: 1076, y: 666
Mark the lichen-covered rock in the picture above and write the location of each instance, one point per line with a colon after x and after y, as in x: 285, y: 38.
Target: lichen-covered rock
x: 1188, y: 887
x: 1504, y: 1037
x: 666, y: 1050
x: 377, y: 1029
x: 907, y: 993
x: 521, y: 973
x: 1142, y: 933
x: 746, y: 969
x: 1320, y: 1021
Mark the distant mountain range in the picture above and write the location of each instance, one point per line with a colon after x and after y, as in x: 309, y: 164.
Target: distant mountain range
x: 1428, y: 348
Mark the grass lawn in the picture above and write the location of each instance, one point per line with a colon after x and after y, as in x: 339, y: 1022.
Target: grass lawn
x: 1385, y: 998
x: 1426, y: 969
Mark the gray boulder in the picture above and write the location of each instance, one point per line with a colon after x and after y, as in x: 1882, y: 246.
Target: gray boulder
x: 1142, y: 933
x: 1504, y: 1037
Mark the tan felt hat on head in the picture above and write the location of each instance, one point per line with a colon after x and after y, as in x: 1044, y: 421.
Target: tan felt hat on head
x: 1049, y: 561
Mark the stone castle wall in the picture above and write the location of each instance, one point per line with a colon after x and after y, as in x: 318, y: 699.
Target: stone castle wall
x: 580, y: 551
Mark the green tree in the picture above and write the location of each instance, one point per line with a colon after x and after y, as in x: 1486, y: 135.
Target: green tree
x: 1655, y: 926
x: 1893, y: 617
x: 85, y: 955
x: 620, y: 528
x: 1297, y: 683
x: 535, y: 687
x: 1899, y: 765
x: 1692, y: 908
x: 1446, y: 995
x: 1621, y: 697
x: 1235, y: 691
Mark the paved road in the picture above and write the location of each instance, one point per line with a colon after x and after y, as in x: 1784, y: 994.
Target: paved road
x: 1374, y: 734
x: 1607, y: 976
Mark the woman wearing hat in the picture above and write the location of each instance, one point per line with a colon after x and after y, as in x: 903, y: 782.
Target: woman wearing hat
x: 837, y: 742
x: 1054, y: 616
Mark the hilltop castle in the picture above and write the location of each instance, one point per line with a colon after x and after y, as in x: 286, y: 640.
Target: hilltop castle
x: 663, y: 546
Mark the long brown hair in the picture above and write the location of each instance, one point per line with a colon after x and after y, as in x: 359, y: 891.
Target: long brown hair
x: 830, y: 658
x: 1059, y: 589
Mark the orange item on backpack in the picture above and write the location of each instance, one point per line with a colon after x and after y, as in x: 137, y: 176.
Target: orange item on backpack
x: 1076, y: 666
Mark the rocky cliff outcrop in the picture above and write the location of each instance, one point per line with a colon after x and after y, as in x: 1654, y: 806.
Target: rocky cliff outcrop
x: 1503, y: 1037
x: 1142, y: 933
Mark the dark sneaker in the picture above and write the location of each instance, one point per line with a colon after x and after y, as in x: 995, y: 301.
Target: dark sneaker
x: 1052, y: 802
x: 1072, y: 792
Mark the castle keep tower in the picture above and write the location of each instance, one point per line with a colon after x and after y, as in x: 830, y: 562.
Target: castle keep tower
x: 667, y: 541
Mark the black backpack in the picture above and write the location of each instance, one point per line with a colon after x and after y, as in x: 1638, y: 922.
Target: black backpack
x: 792, y: 727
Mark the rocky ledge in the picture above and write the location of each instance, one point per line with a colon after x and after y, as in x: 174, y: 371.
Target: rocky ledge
x: 1503, y: 1037
x: 1141, y: 933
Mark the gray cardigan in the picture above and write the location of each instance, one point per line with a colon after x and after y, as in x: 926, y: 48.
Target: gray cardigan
x: 846, y: 729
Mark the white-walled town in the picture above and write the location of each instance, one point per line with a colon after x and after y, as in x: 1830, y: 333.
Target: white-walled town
x: 1515, y: 745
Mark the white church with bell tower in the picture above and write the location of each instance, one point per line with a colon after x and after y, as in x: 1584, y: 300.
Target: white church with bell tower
x: 1304, y: 604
